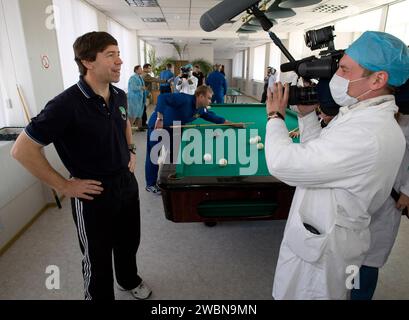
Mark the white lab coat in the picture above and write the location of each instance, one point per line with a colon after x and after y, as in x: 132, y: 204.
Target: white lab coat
x: 187, y: 88
x: 343, y: 175
x: 385, y: 222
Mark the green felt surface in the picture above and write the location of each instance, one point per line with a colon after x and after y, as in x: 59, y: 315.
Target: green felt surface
x: 244, y: 159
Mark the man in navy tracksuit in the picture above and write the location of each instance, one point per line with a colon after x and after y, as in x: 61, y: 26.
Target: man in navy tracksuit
x: 217, y: 81
x: 176, y: 107
x: 88, y: 126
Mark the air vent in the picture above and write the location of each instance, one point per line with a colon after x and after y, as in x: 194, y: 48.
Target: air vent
x: 166, y: 39
x: 153, y: 20
x: 329, y: 8
x: 209, y: 39
x: 206, y: 42
x: 142, y: 3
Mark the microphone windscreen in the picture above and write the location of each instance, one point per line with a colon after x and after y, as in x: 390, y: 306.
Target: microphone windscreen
x: 224, y: 12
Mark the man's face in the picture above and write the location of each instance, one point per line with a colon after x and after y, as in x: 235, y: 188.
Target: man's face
x: 139, y: 71
x: 204, y: 100
x: 107, y: 65
x: 350, y: 70
x: 147, y: 69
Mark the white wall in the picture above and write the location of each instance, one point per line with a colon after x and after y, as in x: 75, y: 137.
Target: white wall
x: 15, y: 64
x: 41, y: 41
x: 21, y: 195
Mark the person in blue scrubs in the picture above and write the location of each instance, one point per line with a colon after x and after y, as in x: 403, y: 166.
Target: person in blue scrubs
x: 180, y: 107
x: 218, y: 83
x: 168, y: 76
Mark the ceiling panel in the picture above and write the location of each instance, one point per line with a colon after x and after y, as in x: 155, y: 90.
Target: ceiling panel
x: 185, y: 14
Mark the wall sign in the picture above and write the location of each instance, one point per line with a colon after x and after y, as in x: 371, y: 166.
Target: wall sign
x: 45, y: 61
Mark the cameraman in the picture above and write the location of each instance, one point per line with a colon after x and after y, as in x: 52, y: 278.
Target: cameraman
x: 343, y: 174
x: 187, y: 81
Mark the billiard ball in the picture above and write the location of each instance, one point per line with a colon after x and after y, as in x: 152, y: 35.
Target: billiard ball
x: 253, y: 141
x: 222, y: 162
x: 257, y: 138
x: 260, y: 146
x: 207, y: 157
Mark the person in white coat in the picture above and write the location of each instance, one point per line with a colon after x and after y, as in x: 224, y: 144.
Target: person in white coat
x: 343, y: 173
x: 385, y: 222
x: 187, y: 82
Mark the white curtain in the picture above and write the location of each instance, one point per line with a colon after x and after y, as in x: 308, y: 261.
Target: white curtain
x: 259, y: 63
x: 73, y: 18
x: 127, y: 43
x: 275, y: 59
x: 142, y: 52
x: 238, y: 63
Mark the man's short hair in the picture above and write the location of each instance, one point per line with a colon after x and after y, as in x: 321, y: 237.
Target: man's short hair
x: 169, y: 65
x: 203, y: 90
x: 89, y: 45
x: 147, y: 65
x: 136, y: 68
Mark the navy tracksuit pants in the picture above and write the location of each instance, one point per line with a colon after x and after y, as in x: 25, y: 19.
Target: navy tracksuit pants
x: 109, y: 225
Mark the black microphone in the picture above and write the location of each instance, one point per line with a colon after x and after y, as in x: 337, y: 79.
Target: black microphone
x: 223, y: 12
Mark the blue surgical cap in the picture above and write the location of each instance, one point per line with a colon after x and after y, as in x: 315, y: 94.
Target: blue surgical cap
x: 188, y: 66
x: 378, y: 51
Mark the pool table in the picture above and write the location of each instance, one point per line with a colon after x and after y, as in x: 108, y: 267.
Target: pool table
x: 194, y: 190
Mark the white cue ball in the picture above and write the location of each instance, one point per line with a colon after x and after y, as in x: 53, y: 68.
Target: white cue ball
x: 253, y: 141
x: 260, y: 146
x: 207, y: 157
x: 222, y: 162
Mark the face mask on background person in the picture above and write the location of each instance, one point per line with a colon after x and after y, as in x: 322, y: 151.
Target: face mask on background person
x: 339, y: 90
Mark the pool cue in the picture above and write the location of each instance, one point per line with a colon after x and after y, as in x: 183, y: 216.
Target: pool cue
x: 294, y: 130
x: 27, y: 116
x: 210, y: 125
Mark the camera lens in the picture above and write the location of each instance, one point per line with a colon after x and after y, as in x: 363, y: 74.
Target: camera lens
x: 300, y: 95
x: 318, y: 39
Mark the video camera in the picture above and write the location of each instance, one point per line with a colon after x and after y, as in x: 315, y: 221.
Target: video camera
x: 185, y: 73
x: 313, y: 67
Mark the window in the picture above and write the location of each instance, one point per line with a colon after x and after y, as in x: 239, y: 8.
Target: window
x: 397, y: 22
x: 73, y: 19
x: 245, y: 66
x: 259, y: 63
x: 275, y: 59
x: 238, y: 65
x: 142, y: 52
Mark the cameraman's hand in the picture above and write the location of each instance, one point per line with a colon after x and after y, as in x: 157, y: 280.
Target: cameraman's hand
x: 278, y: 99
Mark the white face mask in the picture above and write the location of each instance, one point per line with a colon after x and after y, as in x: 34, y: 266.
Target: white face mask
x: 339, y: 91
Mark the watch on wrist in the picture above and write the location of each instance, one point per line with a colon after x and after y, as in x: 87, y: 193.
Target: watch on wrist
x: 275, y: 114
x: 132, y: 148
